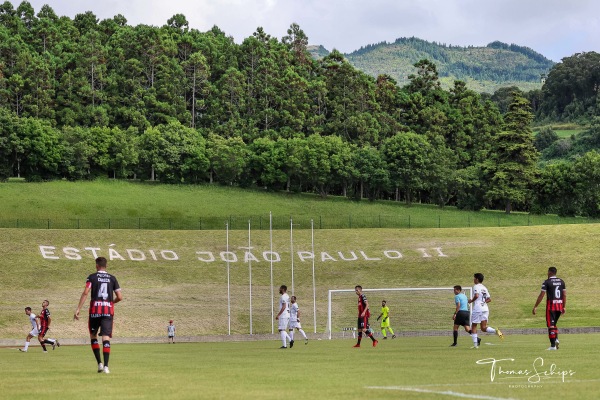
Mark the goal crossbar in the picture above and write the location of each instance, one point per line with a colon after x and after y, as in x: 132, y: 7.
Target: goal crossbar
x: 333, y: 291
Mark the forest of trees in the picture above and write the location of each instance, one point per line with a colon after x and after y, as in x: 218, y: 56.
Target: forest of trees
x: 82, y: 98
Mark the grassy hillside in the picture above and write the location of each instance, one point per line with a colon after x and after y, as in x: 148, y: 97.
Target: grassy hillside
x: 484, y: 69
x: 120, y: 204
x: 177, y: 279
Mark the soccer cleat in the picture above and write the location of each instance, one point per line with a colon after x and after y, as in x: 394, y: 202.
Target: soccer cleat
x: 393, y: 336
x: 557, y: 342
x: 106, y: 371
x: 53, y: 345
x: 305, y: 341
x: 356, y: 345
x: 23, y: 351
x: 385, y: 337
x: 375, y: 343
x: 478, y: 341
x: 500, y: 334
x: 283, y: 347
x: 453, y: 345
x: 57, y: 343
x: 475, y: 347
x: 291, y: 344
x: 100, y: 367
x: 45, y: 351
x: 551, y: 348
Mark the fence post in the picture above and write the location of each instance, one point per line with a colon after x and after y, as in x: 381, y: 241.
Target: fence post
x: 350, y: 221
x: 200, y: 223
x: 439, y: 221
x: 48, y: 223
x: 78, y: 225
x: 408, y: 221
x: 109, y: 223
x: 320, y: 223
x: 469, y: 218
x: 17, y: 222
x: 380, y: 220
x: 139, y: 223
x: 170, y: 224
x: 260, y: 222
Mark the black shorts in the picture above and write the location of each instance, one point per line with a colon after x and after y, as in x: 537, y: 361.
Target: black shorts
x: 463, y: 318
x: 552, y: 317
x: 363, y: 323
x: 43, y: 331
x: 101, y: 325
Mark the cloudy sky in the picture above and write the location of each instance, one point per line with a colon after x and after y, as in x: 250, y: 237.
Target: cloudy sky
x: 554, y: 28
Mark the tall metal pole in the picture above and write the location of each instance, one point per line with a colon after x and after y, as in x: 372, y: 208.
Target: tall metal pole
x: 292, y: 250
x: 312, y: 240
x: 250, y: 276
x: 272, y: 293
x: 228, y: 293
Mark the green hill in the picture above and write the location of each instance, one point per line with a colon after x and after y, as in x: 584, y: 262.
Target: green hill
x: 170, y: 273
x: 182, y: 275
x: 485, y: 69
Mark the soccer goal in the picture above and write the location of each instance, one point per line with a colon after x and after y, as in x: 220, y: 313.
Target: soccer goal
x: 413, y: 311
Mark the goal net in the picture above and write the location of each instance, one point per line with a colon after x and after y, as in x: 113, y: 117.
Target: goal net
x: 413, y: 311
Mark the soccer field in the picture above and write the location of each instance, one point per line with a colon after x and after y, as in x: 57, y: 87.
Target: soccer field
x: 408, y: 368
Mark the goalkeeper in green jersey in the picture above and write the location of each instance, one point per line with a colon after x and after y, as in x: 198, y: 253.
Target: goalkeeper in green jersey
x: 385, y: 320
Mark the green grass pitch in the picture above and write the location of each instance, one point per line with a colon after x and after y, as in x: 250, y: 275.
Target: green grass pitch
x: 406, y: 367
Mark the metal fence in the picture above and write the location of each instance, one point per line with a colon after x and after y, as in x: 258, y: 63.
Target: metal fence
x: 261, y: 222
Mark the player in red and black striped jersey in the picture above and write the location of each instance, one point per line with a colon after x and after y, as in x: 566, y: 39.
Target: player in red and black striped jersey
x: 45, y: 319
x: 105, y: 293
x: 363, y: 317
x: 556, y: 299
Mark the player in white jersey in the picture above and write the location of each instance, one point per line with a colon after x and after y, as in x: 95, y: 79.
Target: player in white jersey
x: 481, y: 298
x: 295, y: 320
x: 171, y: 332
x: 35, y: 329
x: 284, y: 317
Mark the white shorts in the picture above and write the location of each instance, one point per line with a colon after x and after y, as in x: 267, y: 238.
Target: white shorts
x: 283, y: 323
x: 34, y: 332
x: 295, y: 324
x: 479, y: 316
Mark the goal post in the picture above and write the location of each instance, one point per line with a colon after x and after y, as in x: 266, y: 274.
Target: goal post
x: 419, y: 310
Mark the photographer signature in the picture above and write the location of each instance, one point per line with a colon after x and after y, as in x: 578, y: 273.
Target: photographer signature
x: 536, y: 374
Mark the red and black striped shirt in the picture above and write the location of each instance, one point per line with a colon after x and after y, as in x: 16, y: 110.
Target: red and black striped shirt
x: 362, y: 304
x: 102, y: 285
x: 554, y: 288
x: 44, y: 318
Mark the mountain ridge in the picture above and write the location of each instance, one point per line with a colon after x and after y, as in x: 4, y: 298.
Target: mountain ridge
x: 483, y: 68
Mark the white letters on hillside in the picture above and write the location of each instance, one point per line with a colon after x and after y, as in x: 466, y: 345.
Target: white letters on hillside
x: 243, y: 255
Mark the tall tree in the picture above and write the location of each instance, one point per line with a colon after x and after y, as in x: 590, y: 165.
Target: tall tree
x: 512, y: 168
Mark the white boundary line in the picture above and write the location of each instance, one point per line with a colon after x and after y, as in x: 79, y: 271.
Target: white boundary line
x: 447, y: 392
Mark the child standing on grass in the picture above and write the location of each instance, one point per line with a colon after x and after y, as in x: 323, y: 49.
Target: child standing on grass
x: 171, y: 332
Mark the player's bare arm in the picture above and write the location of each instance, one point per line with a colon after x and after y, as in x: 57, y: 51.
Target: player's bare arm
x: 475, y: 297
x: 119, y: 296
x: 538, y: 301
x: 82, y: 300
x: 280, y: 311
x: 564, y: 295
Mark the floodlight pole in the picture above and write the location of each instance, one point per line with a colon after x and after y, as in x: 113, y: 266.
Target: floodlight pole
x: 228, y: 293
x: 292, y: 250
x: 312, y: 240
x: 250, y: 276
x: 271, y: 262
